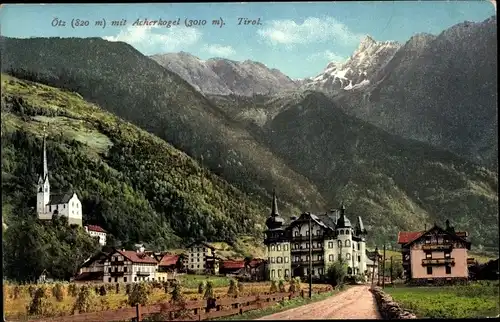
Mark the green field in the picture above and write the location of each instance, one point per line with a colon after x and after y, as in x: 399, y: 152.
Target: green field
x: 476, y: 300
x: 192, y: 281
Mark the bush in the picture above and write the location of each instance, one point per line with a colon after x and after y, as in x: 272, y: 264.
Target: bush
x: 40, y: 304
x: 128, y: 289
x: 201, y: 287
x: 209, y: 291
x: 73, y: 290
x: 336, y: 273
x: 233, y: 288
x: 274, y: 287
x: 281, y: 286
x: 298, y: 285
x: 86, y: 300
x: 293, y: 286
x: 58, y: 292
x: 177, y: 296
x: 102, y: 291
x: 139, y: 295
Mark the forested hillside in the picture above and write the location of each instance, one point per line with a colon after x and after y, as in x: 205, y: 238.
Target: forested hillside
x: 135, y: 185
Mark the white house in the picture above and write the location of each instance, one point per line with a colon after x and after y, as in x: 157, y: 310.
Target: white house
x: 129, y: 266
x: 47, y: 204
x: 96, y: 231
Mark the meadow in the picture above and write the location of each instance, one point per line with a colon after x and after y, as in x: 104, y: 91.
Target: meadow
x: 17, y: 298
x: 476, y: 300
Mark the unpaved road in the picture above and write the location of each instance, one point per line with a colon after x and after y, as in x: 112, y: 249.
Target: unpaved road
x: 356, y: 302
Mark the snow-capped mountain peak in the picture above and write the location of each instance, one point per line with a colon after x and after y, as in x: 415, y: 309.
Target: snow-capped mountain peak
x: 369, y: 57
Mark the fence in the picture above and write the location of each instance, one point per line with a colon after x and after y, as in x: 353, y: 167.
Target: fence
x: 195, y: 310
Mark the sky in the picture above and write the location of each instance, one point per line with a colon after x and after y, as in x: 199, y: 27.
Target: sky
x: 298, y: 38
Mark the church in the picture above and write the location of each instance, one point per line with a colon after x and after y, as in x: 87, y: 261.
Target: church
x: 313, y: 241
x: 49, y: 204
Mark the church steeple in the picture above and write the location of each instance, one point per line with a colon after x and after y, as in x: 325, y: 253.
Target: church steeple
x: 274, y: 207
x: 45, y: 169
x: 43, y: 194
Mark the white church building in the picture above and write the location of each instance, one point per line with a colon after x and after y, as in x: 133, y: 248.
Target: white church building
x: 49, y: 204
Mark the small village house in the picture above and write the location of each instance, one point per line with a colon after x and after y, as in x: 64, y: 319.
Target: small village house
x: 96, y: 231
x: 168, y: 267
x: 231, y: 267
x: 255, y: 270
x: 92, y: 271
x: 435, y: 255
x: 201, y: 257
x: 129, y: 266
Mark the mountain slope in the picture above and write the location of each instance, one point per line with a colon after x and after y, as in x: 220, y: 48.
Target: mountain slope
x: 137, y: 186
x: 364, y: 63
x: 134, y: 87
x: 394, y: 183
x: 217, y: 76
x: 438, y: 89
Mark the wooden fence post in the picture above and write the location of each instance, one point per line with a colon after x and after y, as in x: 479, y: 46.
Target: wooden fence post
x: 138, y: 312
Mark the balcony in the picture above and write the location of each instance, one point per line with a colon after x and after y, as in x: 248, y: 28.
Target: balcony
x: 117, y: 263
x: 306, y: 250
x: 143, y: 273
x: 306, y: 262
x: 117, y: 274
x: 438, y: 261
x: 306, y: 238
x: 437, y: 247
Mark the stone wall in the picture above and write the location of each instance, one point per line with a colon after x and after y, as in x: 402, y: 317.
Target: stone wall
x: 389, y: 310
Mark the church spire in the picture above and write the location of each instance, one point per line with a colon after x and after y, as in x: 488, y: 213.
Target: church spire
x: 274, y: 209
x: 45, y: 171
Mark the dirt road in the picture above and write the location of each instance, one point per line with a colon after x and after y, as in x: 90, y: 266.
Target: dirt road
x: 355, y: 303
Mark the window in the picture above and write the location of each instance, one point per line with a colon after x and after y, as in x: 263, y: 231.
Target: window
x: 330, y: 244
x: 125, y: 269
x: 341, y: 232
x: 197, y: 266
x: 307, y: 257
x: 358, y: 246
x: 286, y: 259
x: 272, y: 247
x: 320, y: 271
x: 273, y: 273
x: 279, y: 260
x: 320, y: 257
x: 447, y: 254
x: 347, y: 243
x: 296, y: 246
x: 192, y: 260
x: 279, y: 273
x: 135, y: 279
x: 448, y: 269
x: 349, y: 269
x: 192, y: 266
x: 318, y: 232
x: 307, y: 232
x: 297, y: 258
x: 318, y: 245
x: 278, y: 247
x: 428, y: 255
x: 116, y: 279
x: 359, y: 258
x: 296, y: 233
x: 330, y: 258
x: 125, y: 279
x: 285, y: 247
x: 312, y: 272
x: 204, y: 250
x: 307, y: 245
x: 348, y: 256
x: 109, y: 280
x: 272, y: 259
x: 347, y: 232
x: 428, y: 239
x: 64, y: 206
x: 339, y: 243
x: 429, y: 270
x: 109, y: 269
x: 287, y: 272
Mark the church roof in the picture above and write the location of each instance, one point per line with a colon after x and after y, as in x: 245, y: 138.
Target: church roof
x: 60, y: 198
x: 95, y: 228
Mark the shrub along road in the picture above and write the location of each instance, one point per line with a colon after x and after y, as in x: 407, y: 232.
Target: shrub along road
x: 357, y: 302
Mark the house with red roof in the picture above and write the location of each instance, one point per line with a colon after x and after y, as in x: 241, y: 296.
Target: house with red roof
x: 231, y: 267
x: 435, y: 255
x: 169, y: 265
x: 92, y: 270
x: 96, y: 231
x: 129, y: 266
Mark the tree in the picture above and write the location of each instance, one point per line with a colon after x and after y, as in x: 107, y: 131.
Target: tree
x: 337, y: 272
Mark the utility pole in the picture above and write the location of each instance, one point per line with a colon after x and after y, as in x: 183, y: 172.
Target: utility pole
x: 310, y: 256
x: 391, y: 272
x: 383, y: 270
x: 375, y: 261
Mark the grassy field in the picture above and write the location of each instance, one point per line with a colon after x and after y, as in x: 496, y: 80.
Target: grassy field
x: 476, y: 300
x: 16, y: 308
